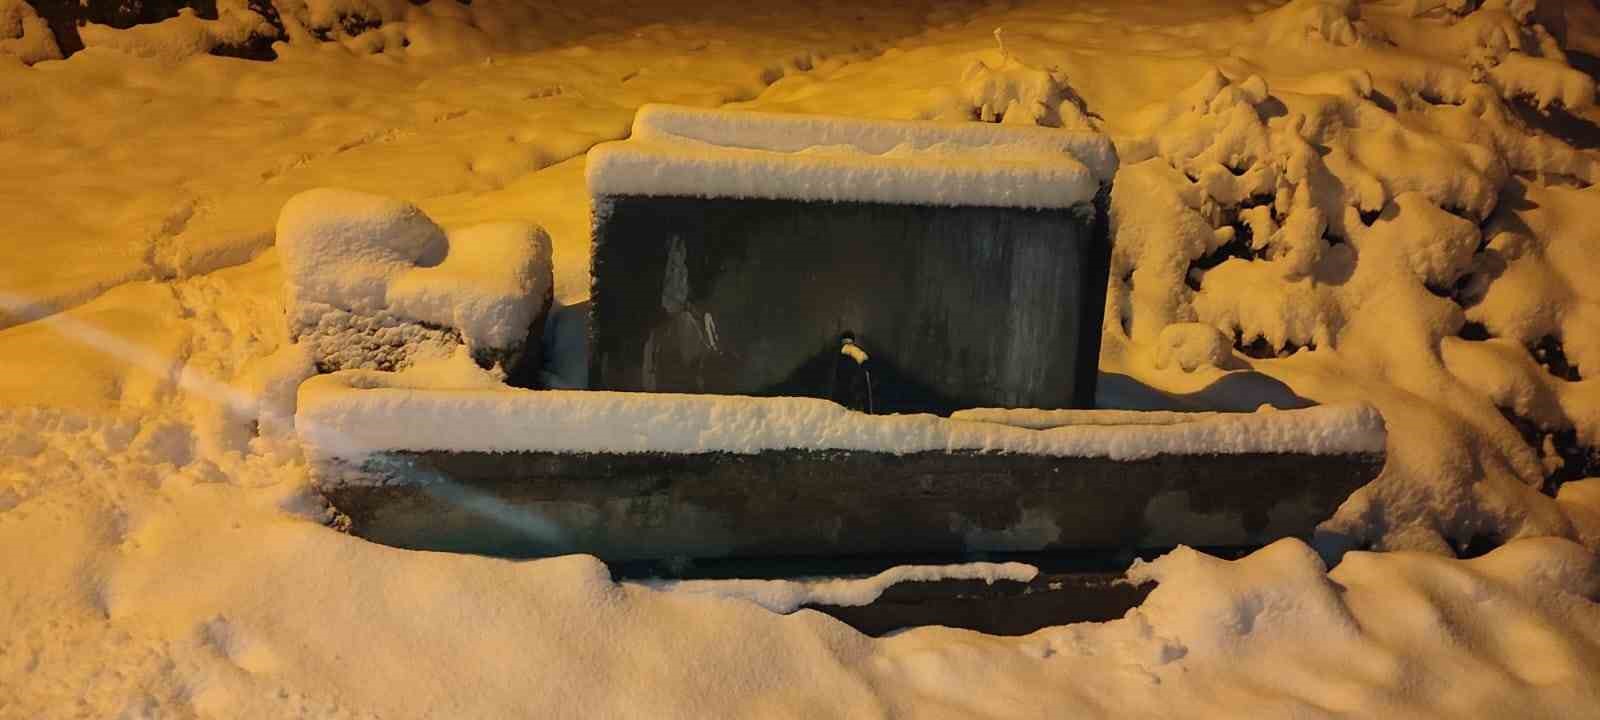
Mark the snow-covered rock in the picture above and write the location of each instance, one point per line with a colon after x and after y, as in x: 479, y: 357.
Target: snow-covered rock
x: 373, y: 283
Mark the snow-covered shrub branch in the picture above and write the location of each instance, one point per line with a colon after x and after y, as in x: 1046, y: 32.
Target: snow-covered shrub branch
x: 1367, y: 230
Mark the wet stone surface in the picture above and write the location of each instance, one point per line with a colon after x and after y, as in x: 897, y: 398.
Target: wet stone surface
x: 955, y: 306
x: 641, y: 506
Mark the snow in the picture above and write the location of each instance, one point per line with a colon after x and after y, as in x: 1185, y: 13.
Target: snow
x: 182, y: 36
x: 174, y: 562
x: 1359, y: 219
x: 685, y: 152
x: 222, y: 144
x: 854, y: 352
x: 790, y: 133
x: 1369, y: 613
x: 490, y: 285
x: 1582, y: 502
x: 787, y: 596
x: 1191, y: 346
x: 24, y: 35
x: 1545, y: 81
x: 344, y: 248
x: 1044, y: 419
x: 273, y: 383
x: 355, y: 261
x: 346, y: 415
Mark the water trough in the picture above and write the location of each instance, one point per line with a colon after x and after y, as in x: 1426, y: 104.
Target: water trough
x: 796, y: 324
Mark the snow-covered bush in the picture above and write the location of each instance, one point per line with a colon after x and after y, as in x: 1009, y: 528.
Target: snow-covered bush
x: 1014, y: 93
x: 374, y: 284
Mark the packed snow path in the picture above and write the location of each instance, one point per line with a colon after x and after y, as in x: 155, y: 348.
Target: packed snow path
x: 1352, y: 186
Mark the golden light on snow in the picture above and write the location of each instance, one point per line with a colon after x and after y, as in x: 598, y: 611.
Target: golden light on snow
x: 1389, y: 203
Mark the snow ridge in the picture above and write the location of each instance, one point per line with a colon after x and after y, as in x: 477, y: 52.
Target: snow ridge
x: 348, y: 415
x: 686, y: 152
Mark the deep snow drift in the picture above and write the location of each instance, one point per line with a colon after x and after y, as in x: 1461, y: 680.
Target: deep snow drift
x: 1389, y: 202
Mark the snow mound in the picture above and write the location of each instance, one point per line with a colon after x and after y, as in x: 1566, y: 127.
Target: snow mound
x: 787, y: 596
x: 1544, y: 81
x: 685, y: 152
x: 372, y: 282
x: 159, y: 579
x: 1012, y: 93
x: 24, y: 35
x: 1036, y: 419
x: 1336, y: 22
x: 1503, y: 45
x: 1517, y: 617
x: 1271, y: 590
x: 1397, y: 223
x: 349, y: 415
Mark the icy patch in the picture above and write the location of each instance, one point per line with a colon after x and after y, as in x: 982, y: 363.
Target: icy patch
x: 685, y: 152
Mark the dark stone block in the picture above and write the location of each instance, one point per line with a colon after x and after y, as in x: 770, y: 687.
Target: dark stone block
x: 957, y: 306
x: 625, y: 507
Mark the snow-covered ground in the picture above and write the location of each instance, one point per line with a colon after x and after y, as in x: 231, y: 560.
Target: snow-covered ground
x: 1403, y: 231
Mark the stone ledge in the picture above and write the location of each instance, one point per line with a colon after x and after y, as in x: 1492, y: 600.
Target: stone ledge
x: 625, y: 507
